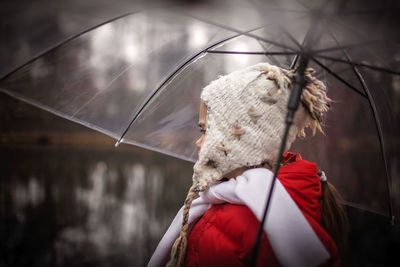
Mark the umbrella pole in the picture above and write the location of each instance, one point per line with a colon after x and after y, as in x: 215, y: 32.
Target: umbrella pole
x: 298, y: 82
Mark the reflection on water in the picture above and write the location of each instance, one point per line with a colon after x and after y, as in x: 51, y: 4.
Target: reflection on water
x: 75, y: 205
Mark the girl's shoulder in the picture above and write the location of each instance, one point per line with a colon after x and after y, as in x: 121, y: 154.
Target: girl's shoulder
x: 227, y: 232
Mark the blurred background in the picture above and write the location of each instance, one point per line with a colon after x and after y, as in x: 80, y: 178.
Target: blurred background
x: 69, y: 197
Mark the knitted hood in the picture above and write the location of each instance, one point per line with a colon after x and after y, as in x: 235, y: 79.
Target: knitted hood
x: 245, y: 121
x: 244, y: 126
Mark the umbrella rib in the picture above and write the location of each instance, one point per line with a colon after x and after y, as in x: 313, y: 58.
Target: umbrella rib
x: 380, y: 134
x: 239, y: 32
x: 271, y: 58
x: 57, y: 113
x: 377, y: 125
x: 303, y: 4
x: 335, y: 48
x: 358, y: 64
x: 294, y: 61
x: 273, y: 9
x: 341, y: 70
x: 301, y: 46
x: 291, y: 37
x: 169, y: 77
x: 366, y: 94
x: 338, y: 77
x: 292, y: 106
x: 309, y: 9
x: 350, y: 28
x: 363, y: 208
x: 251, y: 53
x: 364, y: 12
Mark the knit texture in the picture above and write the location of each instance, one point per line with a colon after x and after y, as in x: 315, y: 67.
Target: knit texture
x: 251, y: 103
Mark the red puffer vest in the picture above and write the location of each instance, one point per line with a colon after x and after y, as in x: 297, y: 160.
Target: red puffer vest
x: 225, y: 235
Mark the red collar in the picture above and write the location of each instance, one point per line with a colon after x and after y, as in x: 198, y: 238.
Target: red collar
x: 290, y: 157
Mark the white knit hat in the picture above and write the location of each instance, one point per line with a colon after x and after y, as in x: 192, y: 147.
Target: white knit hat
x: 245, y: 121
x: 246, y: 110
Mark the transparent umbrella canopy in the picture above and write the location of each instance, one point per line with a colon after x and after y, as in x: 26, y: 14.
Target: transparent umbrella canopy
x: 138, y: 79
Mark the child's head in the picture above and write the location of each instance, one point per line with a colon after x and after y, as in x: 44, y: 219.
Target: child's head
x: 244, y: 122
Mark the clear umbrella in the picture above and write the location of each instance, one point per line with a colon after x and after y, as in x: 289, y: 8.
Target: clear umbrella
x: 138, y: 79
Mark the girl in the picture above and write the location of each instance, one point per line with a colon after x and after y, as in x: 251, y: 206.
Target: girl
x: 242, y: 119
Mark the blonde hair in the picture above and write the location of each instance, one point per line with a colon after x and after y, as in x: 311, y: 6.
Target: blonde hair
x: 178, y: 251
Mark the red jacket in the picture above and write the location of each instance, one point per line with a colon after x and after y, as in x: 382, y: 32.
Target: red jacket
x: 225, y: 235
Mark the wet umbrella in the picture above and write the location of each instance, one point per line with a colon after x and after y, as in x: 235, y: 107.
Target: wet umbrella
x: 138, y: 78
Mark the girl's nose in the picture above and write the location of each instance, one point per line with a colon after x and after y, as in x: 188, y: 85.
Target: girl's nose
x: 199, y: 142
